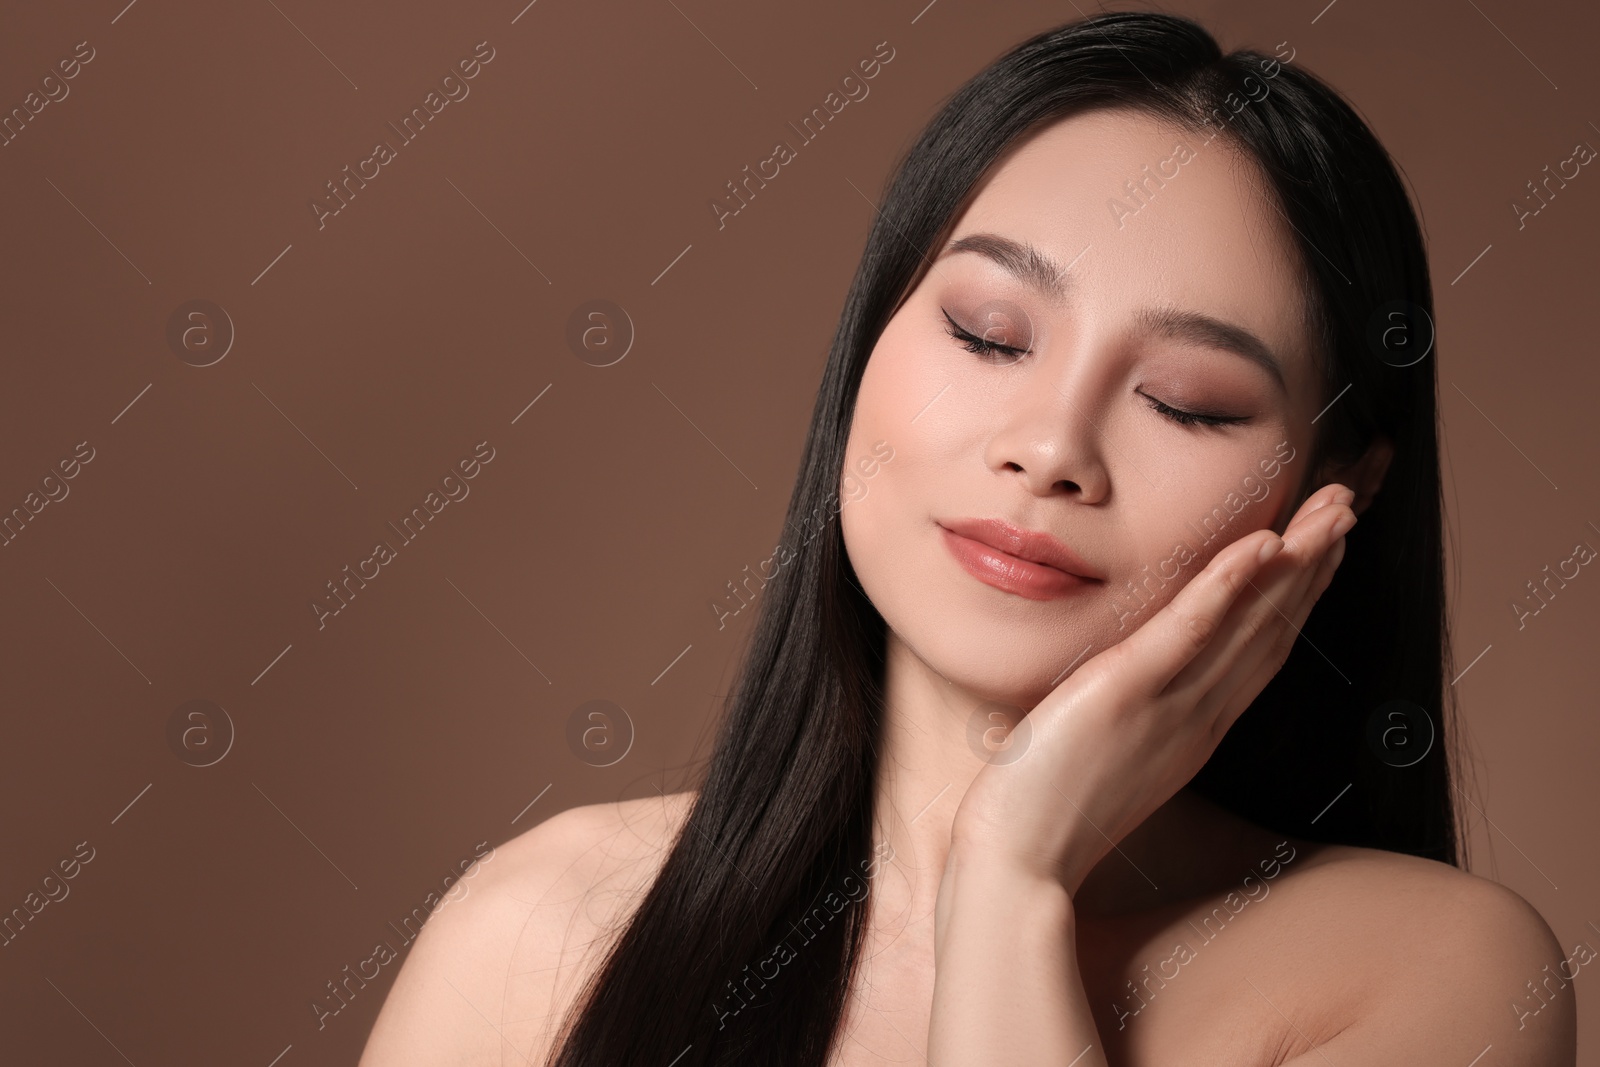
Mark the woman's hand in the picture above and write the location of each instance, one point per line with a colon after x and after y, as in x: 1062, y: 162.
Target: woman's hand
x: 1134, y: 724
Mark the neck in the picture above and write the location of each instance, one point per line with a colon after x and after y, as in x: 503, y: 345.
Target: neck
x: 1186, y: 847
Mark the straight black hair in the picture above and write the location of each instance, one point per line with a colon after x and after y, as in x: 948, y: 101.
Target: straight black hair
x: 739, y: 952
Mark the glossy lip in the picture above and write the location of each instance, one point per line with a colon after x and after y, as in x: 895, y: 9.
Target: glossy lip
x: 1028, y: 563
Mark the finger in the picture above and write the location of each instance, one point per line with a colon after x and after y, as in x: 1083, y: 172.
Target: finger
x: 1262, y: 611
x: 1252, y: 624
x: 1249, y: 677
x: 1187, y: 623
x: 1332, y: 493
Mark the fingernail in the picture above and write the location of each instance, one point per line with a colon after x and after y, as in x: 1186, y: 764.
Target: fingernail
x: 1268, y: 550
x: 1343, y: 525
x: 1345, y: 497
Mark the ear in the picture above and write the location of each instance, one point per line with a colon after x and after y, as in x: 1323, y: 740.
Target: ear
x: 1365, y: 475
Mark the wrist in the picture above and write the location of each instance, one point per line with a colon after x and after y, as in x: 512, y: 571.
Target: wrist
x: 981, y: 889
x: 981, y: 860
x: 1006, y: 987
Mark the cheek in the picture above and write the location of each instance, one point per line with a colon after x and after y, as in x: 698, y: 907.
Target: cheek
x: 1177, y: 540
x: 916, y: 378
x: 875, y: 516
x: 875, y: 535
x: 852, y: 487
x: 900, y: 441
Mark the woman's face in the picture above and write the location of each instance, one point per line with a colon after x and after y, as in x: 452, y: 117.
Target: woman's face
x: 1178, y: 293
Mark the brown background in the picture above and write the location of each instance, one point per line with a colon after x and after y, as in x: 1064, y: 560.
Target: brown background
x: 426, y: 317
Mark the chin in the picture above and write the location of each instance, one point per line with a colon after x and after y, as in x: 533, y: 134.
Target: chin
x: 994, y: 662
x: 990, y: 645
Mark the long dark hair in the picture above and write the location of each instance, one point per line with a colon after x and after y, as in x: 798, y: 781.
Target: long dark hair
x: 784, y: 816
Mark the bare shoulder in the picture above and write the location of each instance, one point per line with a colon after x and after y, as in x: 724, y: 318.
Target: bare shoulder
x: 490, y: 976
x: 1435, y: 964
x: 1390, y: 893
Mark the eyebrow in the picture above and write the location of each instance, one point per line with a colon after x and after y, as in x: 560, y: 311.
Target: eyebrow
x: 1033, y: 267
x: 1191, y: 327
x: 1049, y: 279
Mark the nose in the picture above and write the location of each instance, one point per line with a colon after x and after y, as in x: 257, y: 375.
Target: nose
x: 1052, y: 442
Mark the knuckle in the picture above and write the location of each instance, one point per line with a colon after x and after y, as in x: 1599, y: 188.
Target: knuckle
x: 1235, y: 578
x: 1255, y: 624
x: 1282, y: 647
x: 1199, y: 629
x: 1330, y: 567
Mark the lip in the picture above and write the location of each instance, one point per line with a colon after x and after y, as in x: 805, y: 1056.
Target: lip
x: 1029, y: 563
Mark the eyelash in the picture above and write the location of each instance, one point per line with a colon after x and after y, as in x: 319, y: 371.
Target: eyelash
x: 988, y: 351
x: 1192, y: 418
x: 978, y: 345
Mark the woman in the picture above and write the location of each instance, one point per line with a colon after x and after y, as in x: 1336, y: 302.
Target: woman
x: 1130, y: 310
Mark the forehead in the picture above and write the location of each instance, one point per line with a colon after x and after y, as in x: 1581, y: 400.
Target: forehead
x: 1148, y: 214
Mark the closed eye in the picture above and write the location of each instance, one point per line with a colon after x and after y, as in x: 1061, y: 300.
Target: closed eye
x: 980, y: 346
x: 1192, y: 418
x: 992, y: 351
